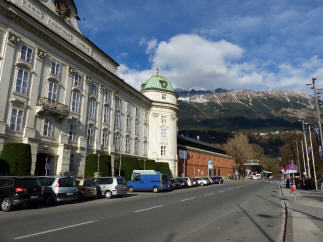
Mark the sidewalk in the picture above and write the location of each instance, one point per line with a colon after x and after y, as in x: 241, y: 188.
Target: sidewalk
x: 305, y: 215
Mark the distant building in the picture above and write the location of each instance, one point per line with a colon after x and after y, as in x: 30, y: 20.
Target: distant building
x: 197, y: 159
x: 62, y: 95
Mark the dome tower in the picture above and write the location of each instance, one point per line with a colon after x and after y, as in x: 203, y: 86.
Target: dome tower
x: 162, y: 137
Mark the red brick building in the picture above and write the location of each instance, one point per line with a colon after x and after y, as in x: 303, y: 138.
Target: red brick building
x: 202, y: 159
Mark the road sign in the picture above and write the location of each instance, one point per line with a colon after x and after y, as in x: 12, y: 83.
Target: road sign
x: 292, y: 167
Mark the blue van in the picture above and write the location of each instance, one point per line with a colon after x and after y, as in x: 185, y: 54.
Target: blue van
x: 149, y: 182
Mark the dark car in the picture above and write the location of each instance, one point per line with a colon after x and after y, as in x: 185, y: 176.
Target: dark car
x: 218, y: 180
x: 19, y: 191
x: 182, y: 182
x: 174, y: 183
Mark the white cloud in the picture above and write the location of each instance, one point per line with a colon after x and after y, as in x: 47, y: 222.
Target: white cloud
x: 190, y: 61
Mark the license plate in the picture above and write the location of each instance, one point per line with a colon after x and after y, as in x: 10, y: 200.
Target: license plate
x: 33, y: 197
x: 69, y: 193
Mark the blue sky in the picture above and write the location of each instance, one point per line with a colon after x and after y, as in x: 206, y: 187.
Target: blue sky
x: 208, y: 44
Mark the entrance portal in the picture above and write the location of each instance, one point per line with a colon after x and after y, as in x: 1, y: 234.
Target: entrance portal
x: 41, y: 164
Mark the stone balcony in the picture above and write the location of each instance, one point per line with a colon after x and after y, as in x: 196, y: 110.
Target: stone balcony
x: 46, y: 106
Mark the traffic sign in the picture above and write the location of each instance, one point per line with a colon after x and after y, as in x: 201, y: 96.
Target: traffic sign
x: 292, y: 167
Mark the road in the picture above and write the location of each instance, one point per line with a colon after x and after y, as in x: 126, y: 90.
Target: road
x: 234, y: 211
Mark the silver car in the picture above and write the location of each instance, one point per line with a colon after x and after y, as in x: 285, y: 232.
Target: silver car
x: 58, y: 188
x: 111, y: 186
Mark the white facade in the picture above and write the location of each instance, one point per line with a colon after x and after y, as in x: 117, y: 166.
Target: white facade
x: 61, y: 94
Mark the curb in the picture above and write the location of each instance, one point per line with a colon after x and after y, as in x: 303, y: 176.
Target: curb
x: 288, y: 226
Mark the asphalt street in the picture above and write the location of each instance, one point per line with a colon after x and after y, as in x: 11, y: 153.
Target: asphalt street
x: 234, y: 211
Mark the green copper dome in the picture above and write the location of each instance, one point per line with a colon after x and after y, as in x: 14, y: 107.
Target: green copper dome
x: 157, y: 82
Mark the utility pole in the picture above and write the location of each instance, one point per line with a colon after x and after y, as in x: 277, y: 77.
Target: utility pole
x: 317, y: 108
x: 305, y: 170
x: 299, y: 169
x: 306, y: 150
x: 309, y: 129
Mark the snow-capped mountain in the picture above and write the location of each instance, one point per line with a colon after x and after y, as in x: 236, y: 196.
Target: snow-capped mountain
x: 243, y: 109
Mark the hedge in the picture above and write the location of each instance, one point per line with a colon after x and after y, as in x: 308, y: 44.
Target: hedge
x: 4, y: 168
x: 91, y: 165
x: 18, y: 157
x: 129, y: 163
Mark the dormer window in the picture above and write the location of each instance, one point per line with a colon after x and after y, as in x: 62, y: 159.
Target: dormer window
x: 163, y: 96
x: 26, y: 53
x: 55, y: 68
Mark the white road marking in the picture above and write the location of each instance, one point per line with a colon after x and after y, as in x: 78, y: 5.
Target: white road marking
x: 221, y: 190
x: 209, y: 194
x: 187, y: 199
x: 145, y: 209
x: 53, y: 230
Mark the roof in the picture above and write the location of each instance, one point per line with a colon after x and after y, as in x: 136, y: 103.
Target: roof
x: 199, y: 144
x: 157, y: 82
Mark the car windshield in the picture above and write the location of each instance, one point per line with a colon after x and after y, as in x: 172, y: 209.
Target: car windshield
x: 46, y: 181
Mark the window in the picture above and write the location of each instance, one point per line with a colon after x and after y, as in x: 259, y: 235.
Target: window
x: 90, y: 135
x: 162, y: 150
x: 137, y: 111
x: 48, y: 127
x: 93, y: 89
x: 163, y: 119
x: 76, y: 101
x: 16, y: 119
x: 107, y: 96
x: 26, y: 53
x: 106, y: 115
x: 136, y: 146
x: 52, y: 91
x: 163, y: 96
x: 105, y: 139
x: 163, y: 133
x: 55, y: 68
x: 92, y: 109
x: 22, y: 81
x: 117, y: 142
x: 137, y: 128
x: 77, y: 81
x: 118, y: 103
x: 127, y: 145
x: 72, y: 132
x: 128, y: 124
x: 129, y: 108
x: 118, y: 121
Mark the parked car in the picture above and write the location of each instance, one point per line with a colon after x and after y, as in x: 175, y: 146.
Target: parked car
x: 218, y: 180
x: 111, y: 186
x: 86, y: 188
x: 174, y: 183
x: 195, y: 183
x: 19, y: 191
x: 183, y: 182
x: 149, y: 182
x: 201, y: 181
x: 58, y: 189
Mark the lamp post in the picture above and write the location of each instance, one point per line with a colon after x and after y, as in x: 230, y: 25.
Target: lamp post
x: 305, y: 170
x: 120, y: 147
x: 306, y: 151
x: 98, y: 163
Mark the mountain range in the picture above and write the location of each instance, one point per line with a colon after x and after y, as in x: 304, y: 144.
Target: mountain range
x: 232, y: 110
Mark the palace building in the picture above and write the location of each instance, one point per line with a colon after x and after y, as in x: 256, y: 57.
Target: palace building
x: 62, y: 95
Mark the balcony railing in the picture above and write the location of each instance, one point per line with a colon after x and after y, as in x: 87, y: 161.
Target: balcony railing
x: 48, y: 106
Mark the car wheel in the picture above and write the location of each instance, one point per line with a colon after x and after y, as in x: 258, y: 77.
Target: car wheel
x: 155, y: 189
x: 130, y: 189
x: 6, y: 204
x: 108, y: 194
x: 202, y: 184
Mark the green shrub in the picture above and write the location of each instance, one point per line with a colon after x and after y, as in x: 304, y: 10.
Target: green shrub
x: 18, y: 157
x: 91, y: 165
x: 163, y: 167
